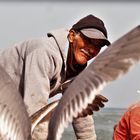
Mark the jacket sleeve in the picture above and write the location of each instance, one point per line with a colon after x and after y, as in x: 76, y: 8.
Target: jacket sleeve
x: 84, y: 128
x: 38, y: 69
x: 129, y: 125
x: 121, y: 131
x: 135, y: 124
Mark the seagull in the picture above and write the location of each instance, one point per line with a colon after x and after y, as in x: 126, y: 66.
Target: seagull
x: 108, y: 66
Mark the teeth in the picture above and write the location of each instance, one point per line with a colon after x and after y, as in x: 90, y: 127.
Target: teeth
x: 84, y: 51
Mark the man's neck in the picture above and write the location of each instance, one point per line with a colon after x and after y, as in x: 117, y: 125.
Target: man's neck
x: 73, y: 69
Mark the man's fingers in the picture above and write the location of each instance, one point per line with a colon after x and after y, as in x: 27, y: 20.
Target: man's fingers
x: 85, y: 112
x: 90, y: 110
x: 101, y: 98
x: 94, y: 106
x: 98, y: 102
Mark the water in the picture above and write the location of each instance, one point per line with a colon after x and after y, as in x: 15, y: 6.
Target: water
x: 105, y: 120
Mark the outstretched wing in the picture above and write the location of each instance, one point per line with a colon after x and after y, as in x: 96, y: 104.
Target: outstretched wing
x: 14, y: 120
x: 112, y: 63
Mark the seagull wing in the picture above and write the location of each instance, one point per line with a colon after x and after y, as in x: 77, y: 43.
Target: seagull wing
x: 14, y: 120
x: 109, y: 65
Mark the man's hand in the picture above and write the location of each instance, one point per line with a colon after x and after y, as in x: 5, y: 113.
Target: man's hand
x: 97, y: 103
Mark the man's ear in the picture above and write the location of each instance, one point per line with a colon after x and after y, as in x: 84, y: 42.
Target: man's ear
x: 71, y: 36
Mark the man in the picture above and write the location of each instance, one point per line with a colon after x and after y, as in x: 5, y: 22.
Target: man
x: 128, y: 127
x: 39, y: 66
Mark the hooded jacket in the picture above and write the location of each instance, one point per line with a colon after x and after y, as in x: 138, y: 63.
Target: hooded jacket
x: 38, y: 68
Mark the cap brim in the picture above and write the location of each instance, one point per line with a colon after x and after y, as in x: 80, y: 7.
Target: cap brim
x: 94, y: 34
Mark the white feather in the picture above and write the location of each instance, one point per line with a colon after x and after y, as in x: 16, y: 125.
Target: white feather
x: 111, y: 64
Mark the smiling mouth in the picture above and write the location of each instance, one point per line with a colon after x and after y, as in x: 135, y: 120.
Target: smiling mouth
x: 86, y: 53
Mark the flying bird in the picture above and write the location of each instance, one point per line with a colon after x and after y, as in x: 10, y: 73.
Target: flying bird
x: 109, y: 65
x: 14, y: 119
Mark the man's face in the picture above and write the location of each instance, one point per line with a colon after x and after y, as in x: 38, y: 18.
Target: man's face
x: 84, y: 49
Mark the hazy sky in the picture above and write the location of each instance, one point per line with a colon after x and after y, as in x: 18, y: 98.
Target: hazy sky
x: 24, y: 20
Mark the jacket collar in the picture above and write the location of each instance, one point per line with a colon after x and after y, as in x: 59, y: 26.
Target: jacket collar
x: 60, y: 36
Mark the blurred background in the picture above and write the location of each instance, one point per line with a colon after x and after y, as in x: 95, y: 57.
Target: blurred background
x: 21, y: 20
